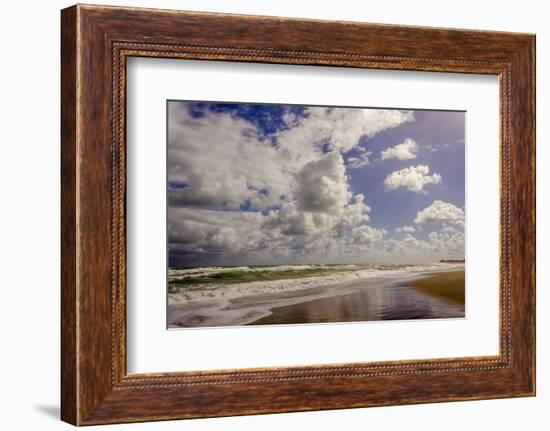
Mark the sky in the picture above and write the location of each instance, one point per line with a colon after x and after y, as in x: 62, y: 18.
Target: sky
x: 267, y: 184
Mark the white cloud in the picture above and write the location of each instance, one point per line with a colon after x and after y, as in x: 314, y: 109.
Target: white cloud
x: 448, y: 241
x: 355, y: 213
x: 219, y: 162
x: 290, y: 119
x: 406, y: 229
x: 322, y: 185
x: 445, y: 242
x: 340, y: 128
x: 442, y: 244
x: 212, y: 233
x: 367, y: 235
x: 291, y: 220
x: 407, y: 150
x: 222, y: 161
x: 439, y: 212
x: 432, y: 148
x: 413, y: 178
x: 359, y: 161
x: 289, y: 233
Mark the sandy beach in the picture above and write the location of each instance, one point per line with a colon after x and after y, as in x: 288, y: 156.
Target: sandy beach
x: 340, y: 294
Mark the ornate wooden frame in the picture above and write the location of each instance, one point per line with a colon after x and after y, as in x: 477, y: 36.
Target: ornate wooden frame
x: 95, y: 42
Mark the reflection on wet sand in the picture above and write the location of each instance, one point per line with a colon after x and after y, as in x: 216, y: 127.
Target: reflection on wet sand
x: 372, y: 303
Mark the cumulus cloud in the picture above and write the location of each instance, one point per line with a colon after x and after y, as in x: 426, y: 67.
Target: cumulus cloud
x: 407, y: 150
x: 439, y: 212
x: 218, y: 160
x: 291, y: 220
x: 413, y: 178
x: 405, y: 229
x: 202, y: 232
x: 446, y: 241
x: 354, y: 213
x: 322, y: 185
x: 442, y: 244
x: 240, y: 194
x: 367, y: 235
x: 340, y: 128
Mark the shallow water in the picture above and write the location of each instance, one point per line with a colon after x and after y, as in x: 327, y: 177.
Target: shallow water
x: 367, y: 304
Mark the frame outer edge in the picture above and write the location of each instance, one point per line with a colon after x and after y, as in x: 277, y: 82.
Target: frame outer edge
x: 523, y: 217
x: 533, y: 54
x: 69, y: 202
x: 528, y: 61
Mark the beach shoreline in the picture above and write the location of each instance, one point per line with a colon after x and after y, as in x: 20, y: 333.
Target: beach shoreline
x: 257, y: 307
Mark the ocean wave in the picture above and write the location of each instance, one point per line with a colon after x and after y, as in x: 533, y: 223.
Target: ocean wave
x: 342, y: 274
x: 211, y: 270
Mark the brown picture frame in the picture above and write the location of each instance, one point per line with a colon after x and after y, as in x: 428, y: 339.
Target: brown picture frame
x: 95, y: 43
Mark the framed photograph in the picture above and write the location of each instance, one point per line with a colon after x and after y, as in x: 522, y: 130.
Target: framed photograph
x: 264, y: 215
x: 267, y: 220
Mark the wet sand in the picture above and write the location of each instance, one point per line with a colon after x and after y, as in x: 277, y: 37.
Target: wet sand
x: 448, y: 286
x: 432, y: 296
